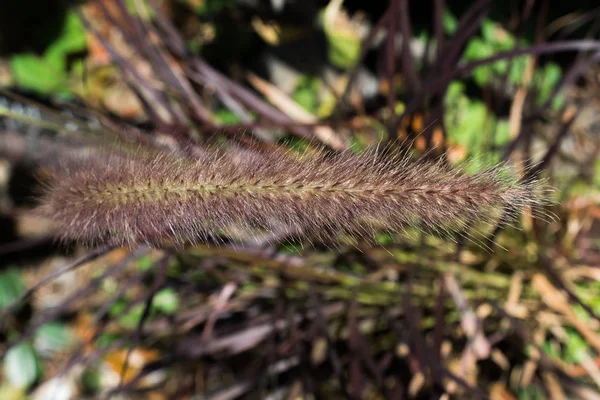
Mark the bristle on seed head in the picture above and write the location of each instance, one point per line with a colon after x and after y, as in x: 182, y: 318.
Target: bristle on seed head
x: 167, y: 199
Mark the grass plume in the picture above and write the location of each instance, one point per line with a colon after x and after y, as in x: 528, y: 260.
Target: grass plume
x: 167, y: 199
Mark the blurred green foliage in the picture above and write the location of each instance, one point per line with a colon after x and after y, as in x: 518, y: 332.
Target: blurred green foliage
x: 53, y: 337
x: 48, y: 73
x: 470, y: 123
x: 21, y: 365
x: 11, y: 287
x: 306, y: 93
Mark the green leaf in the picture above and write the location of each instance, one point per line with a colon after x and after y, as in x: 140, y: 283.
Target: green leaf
x: 477, y: 49
x: 73, y: 37
x: 470, y: 124
x: 53, y: 337
x: 498, y: 37
x: 166, y: 301
x: 11, y: 287
x: 531, y: 392
x: 488, y: 30
x: 91, y: 380
x: 449, y: 22
x: 35, y: 73
x: 117, y: 308
x: 147, y: 11
x: 546, y: 80
x: 343, y: 49
x: 306, y: 94
x: 132, y: 318
x: 385, y: 239
x: 71, y: 40
x: 47, y: 74
x: 291, y: 248
x: 500, y: 67
x: 469, y: 127
x: 343, y: 39
x: 550, y: 350
x: 517, y: 69
x: 502, y: 135
x: 575, y: 347
x: 144, y: 263
x: 456, y: 89
x: 106, y: 340
x: 21, y: 366
x: 558, y: 102
x: 227, y: 117
x: 596, y: 179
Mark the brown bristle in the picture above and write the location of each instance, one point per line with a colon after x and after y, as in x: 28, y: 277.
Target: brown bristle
x: 172, y: 200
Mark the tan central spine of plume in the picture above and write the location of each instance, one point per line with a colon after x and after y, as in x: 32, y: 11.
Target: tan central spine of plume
x: 155, y: 192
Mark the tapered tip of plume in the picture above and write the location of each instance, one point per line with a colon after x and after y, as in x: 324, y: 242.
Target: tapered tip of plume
x: 167, y: 199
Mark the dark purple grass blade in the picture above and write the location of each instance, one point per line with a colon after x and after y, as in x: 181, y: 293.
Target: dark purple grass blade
x: 545, y: 48
x: 357, y: 381
x: 170, y: 34
x: 536, y: 170
x: 159, y: 282
x: 189, y: 99
x: 137, y: 36
x: 136, y: 78
x: 227, y: 87
x: 467, y: 26
x: 410, y: 76
x: 87, y: 257
x: 55, y: 312
x: 248, y: 98
x: 332, y: 354
x: 553, y: 149
x: 390, y: 66
x: 558, y: 281
x: 438, y: 26
x: 434, y: 86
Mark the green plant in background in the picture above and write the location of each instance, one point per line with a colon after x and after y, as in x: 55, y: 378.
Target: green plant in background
x: 48, y: 73
x: 532, y: 392
x: 166, y: 301
x: 227, y: 117
x: 11, y: 287
x: 314, y: 97
x: 468, y: 120
x: 53, y: 337
x: 495, y: 39
x: 596, y: 179
x: 343, y: 38
x: 22, y: 365
x: 470, y: 124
